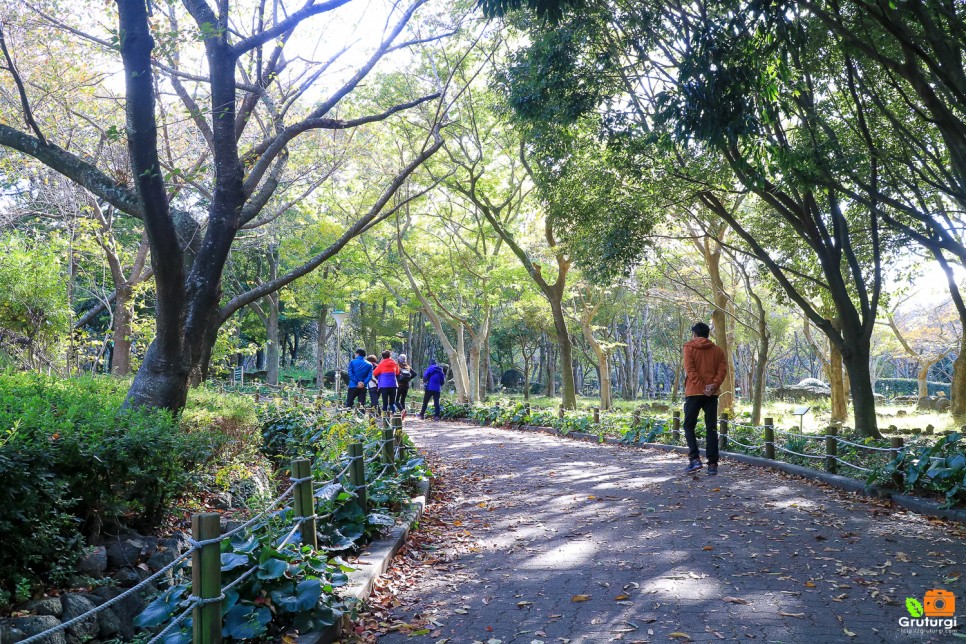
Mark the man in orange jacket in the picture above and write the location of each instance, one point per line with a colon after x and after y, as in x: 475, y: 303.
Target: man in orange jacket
x: 705, y: 366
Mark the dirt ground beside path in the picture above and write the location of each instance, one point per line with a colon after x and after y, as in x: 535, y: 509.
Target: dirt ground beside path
x: 534, y: 537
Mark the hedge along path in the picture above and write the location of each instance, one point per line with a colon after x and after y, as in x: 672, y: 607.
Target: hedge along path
x: 597, y: 543
x: 207, y: 592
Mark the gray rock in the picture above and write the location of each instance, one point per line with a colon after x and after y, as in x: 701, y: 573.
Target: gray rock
x: 256, y: 484
x: 74, y: 606
x: 127, y: 577
x: 94, y: 562
x: 178, y: 542
x: 222, y: 501
x: 20, y: 628
x: 124, y: 553
x: 901, y: 413
x: 126, y: 609
x: 806, y: 389
x: 46, y: 606
x: 108, y: 624
x: 161, y: 558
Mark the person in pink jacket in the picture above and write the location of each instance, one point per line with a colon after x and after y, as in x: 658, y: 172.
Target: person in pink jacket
x: 385, y: 373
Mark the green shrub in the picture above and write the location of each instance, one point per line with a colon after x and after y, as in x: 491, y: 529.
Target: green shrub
x: 69, y: 444
x: 229, y: 420
x: 39, y: 531
x: 908, y: 387
x: 940, y: 468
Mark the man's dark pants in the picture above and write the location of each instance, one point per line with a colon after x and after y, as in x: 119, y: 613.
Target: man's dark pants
x: 434, y: 396
x: 356, y: 393
x: 693, y: 406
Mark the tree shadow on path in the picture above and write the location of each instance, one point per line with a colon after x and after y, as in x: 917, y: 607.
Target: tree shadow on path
x: 579, y: 542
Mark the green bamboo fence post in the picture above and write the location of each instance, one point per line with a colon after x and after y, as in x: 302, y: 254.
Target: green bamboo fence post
x: 896, y: 442
x: 723, y: 432
x: 305, y: 501
x: 676, y: 425
x: 357, y: 474
x: 770, y: 438
x: 831, y: 449
x: 206, y: 578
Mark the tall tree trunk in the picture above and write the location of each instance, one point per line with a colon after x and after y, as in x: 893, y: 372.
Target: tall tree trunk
x: 123, y: 316
x: 759, y: 377
x: 856, y: 360
x: 957, y: 388
x: 271, y: 343
x: 568, y: 387
x: 836, y: 377
x: 321, y: 339
x: 603, y: 360
x: 648, y: 365
x: 676, y: 385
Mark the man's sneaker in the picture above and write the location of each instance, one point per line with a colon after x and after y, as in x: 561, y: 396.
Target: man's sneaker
x: 693, y: 467
x: 712, y: 469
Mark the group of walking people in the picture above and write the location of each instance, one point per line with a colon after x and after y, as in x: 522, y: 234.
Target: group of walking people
x: 389, y: 380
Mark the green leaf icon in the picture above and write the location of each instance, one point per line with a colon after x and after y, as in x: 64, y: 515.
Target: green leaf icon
x: 914, y: 607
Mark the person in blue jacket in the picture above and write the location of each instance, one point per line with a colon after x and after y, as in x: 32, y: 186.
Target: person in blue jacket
x: 433, y: 379
x: 360, y: 372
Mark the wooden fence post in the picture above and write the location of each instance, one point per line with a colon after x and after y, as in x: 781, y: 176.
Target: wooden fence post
x: 896, y: 443
x: 206, y: 578
x: 527, y: 409
x: 770, y: 438
x: 357, y: 474
x: 723, y: 432
x: 560, y: 412
x: 397, y: 433
x: 597, y: 415
x: 389, y: 446
x: 831, y: 449
x: 676, y: 425
x: 305, y: 501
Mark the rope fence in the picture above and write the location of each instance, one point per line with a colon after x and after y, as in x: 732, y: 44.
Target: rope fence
x: 767, y: 440
x: 204, y: 602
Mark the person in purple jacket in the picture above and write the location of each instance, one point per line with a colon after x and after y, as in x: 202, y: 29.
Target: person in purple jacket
x: 433, y: 379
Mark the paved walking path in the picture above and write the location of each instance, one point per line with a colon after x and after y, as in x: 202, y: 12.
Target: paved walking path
x: 578, y: 542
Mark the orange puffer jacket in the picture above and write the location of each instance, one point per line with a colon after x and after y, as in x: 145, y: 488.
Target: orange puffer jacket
x: 704, y: 364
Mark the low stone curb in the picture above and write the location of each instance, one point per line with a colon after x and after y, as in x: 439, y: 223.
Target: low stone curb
x: 373, y: 561
x: 905, y: 501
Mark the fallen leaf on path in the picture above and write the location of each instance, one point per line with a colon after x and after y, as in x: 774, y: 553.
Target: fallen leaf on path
x: 680, y: 636
x: 621, y: 598
x: 798, y: 615
x: 708, y: 548
x: 733, y: 600
x: 809, y: 584
x: 580, y: 598
x: 848, y: 632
